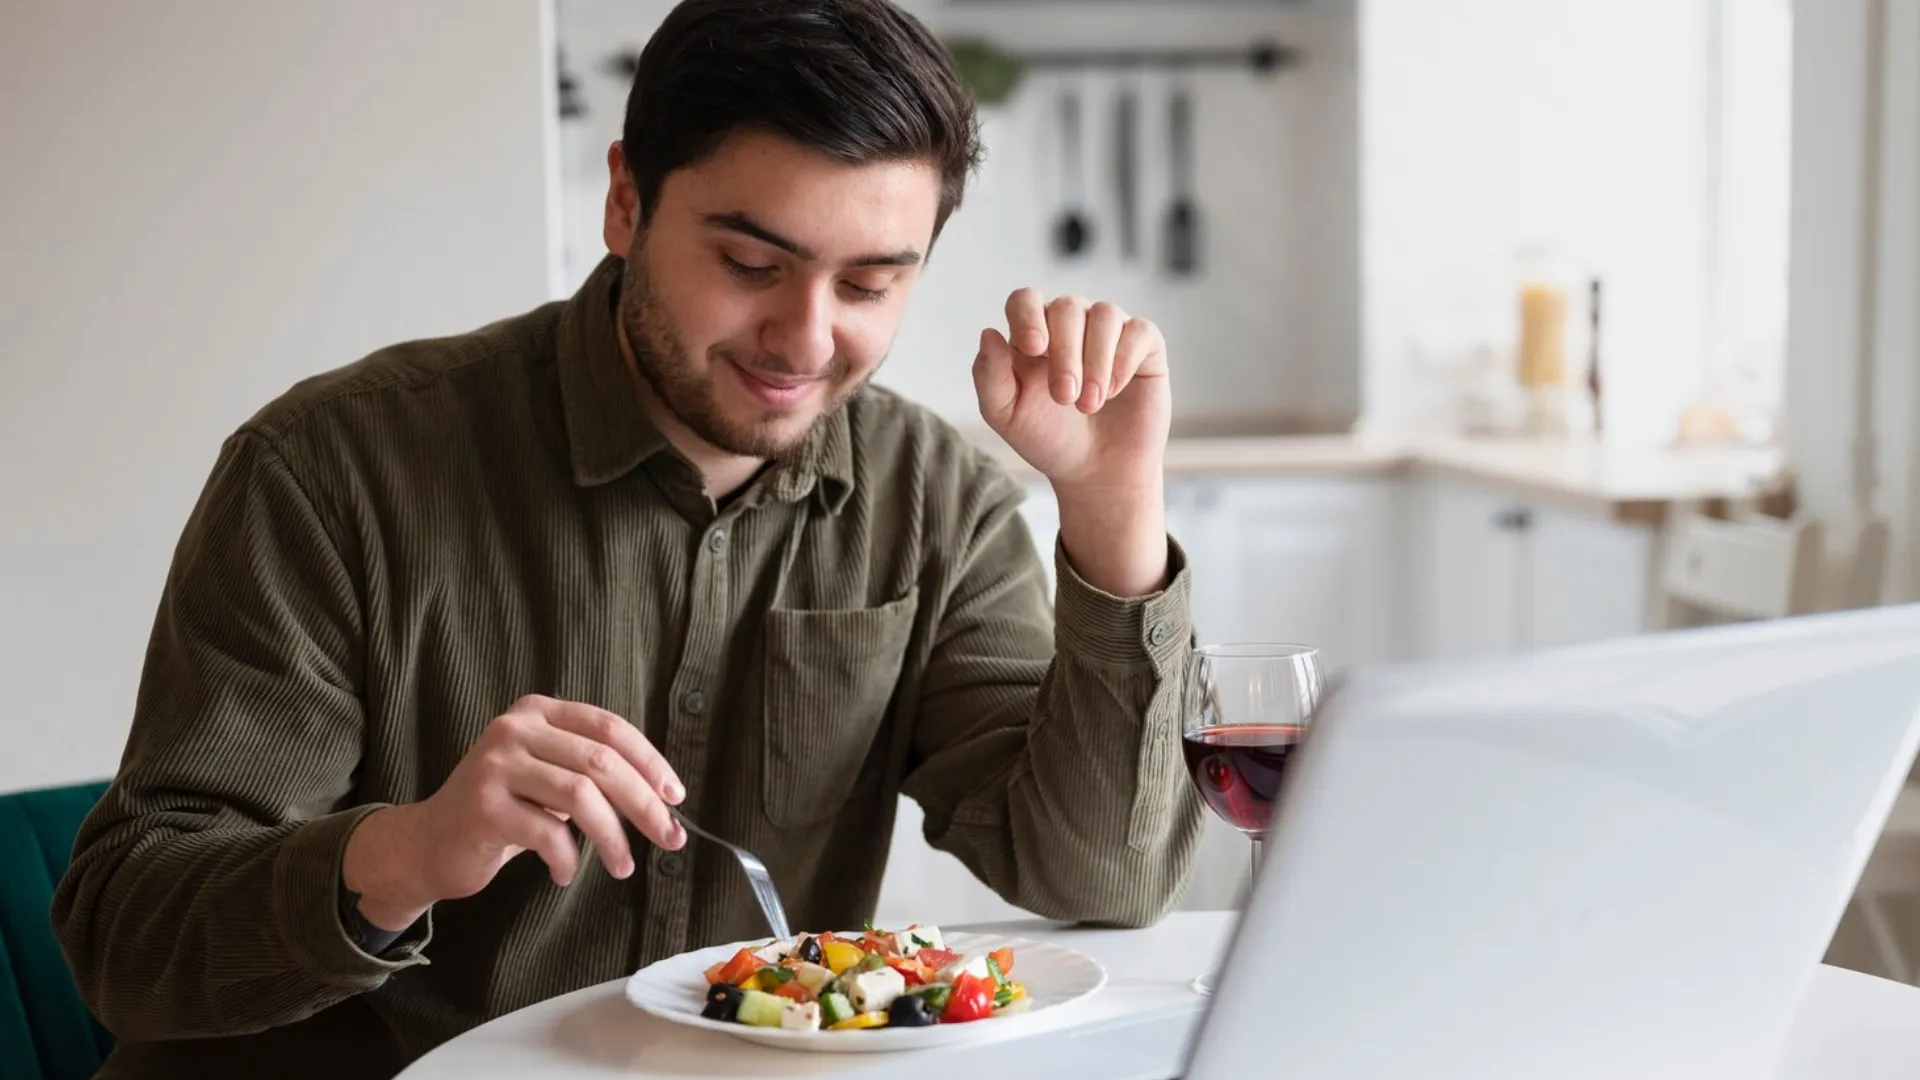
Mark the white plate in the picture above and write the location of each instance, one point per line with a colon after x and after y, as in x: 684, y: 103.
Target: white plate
x: 1055, y: 976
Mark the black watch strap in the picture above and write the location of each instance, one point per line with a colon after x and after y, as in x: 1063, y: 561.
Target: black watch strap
x: 366, y: 937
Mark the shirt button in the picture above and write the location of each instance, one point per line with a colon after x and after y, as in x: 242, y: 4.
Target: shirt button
x: 672, y: 864
x: 717, y: 541
x: 695, y: 702
x: 1158, y: 633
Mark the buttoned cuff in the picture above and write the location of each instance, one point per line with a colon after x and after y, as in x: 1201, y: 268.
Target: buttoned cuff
x: 306, y: 884
x: 1102, y: 628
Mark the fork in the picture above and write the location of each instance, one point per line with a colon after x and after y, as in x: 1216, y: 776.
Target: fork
x: 757, y: 876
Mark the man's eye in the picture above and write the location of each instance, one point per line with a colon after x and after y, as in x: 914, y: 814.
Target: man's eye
x: 744, y: 271
x: 862, y: 293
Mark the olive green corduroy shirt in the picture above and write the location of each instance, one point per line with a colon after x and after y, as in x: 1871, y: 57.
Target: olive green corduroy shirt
x: 391, y: 554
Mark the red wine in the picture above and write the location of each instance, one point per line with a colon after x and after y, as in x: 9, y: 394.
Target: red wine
x: 1238, y: 770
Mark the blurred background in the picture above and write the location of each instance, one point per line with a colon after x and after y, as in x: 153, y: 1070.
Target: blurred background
x: 1498, y: 324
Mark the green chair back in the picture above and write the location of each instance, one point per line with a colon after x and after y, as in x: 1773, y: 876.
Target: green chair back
x: 46, y: 1032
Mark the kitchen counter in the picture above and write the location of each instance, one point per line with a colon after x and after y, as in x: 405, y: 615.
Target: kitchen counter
x: 1624, y: 483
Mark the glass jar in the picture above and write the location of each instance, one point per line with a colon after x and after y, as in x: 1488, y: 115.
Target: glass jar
x: 1549, y: 334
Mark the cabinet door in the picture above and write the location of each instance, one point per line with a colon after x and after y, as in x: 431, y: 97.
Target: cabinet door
x: 1469, y: 557
x: 1305, y: 560
x: 1586, y: 579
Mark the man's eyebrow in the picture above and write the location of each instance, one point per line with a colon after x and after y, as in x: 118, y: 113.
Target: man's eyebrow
x: 744, y: 224
x: 903, y: 257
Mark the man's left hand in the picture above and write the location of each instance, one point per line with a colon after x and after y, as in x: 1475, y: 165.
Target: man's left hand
x: 1079, y: 390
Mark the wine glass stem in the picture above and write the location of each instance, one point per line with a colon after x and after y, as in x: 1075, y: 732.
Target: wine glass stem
x: 1253, y: 870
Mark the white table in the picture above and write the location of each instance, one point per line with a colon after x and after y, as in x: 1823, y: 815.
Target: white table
x: 1852, y: 1027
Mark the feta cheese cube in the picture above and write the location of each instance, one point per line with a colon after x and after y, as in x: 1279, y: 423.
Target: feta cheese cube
x: 873, y: 991
x: 910, y: 942
x: 800, y: 1016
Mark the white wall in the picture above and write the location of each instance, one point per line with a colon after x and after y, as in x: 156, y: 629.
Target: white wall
x: 1586, y: 124
x: 203, y: 202
x: 1274, y: 325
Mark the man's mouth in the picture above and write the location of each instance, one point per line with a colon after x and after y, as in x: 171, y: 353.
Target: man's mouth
x: 772, y: 388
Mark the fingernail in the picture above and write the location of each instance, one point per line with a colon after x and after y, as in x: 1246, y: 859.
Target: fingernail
x: 1099, y: 394
x: 1066, y: 388
x: 674, y: 792
x: 678, y: 836
x: 626, y: 869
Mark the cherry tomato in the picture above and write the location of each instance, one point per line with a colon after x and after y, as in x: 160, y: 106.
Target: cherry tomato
x: 936, y: 958
x: 1004, y: 957
x: 972, y: 999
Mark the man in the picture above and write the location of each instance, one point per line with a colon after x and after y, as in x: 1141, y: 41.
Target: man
x: 451, y: 627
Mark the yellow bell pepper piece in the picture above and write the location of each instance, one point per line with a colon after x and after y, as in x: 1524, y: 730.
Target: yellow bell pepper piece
x: 861, y: 1020
x: 840, y: 956
x: 1018, y: 990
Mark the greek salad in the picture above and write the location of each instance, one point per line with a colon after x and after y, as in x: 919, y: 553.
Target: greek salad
x: 859, y: 982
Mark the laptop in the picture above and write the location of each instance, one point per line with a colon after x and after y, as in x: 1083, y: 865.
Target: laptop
x: 1618, y: 860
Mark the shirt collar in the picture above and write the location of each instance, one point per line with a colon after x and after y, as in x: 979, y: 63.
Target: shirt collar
x: 609, y: 433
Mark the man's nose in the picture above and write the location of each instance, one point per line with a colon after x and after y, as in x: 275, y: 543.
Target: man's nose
x: 801, y: 334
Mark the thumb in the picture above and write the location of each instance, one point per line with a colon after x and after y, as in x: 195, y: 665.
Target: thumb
x: 994, y: 381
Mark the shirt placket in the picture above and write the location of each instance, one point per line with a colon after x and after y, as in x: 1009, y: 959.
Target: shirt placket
x: 690, y: 698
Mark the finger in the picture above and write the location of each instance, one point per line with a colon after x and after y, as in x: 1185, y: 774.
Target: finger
x: 619, y: 782
x: 553, y: 788
x: 525, y: 825
x: 1027, y: 322
x: 1067, y: 331
x: 1141, y: 351
x: 613, y: 730
x: 994, y: 381
x: 1098, y: 364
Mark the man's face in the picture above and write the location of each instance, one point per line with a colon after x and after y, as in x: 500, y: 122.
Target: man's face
x: 768, y: 285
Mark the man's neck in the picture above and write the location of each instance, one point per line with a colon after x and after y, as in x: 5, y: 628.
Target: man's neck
x: 725, y: 474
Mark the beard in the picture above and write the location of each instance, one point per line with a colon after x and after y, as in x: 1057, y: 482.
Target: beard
x: 664, y: 361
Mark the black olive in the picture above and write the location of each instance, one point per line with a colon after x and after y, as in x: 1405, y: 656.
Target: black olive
x: 723, y: 1002
x: 909, y: 1010
x: 809, y: 950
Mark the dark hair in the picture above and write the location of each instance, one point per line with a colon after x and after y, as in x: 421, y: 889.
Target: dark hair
x: 860, y: 80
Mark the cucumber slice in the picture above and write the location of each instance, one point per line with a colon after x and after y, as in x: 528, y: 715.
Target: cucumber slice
x: 834, y: 1007
x: 760, y: 1009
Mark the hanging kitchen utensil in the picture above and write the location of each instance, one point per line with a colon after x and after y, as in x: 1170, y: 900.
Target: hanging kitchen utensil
x: 1072, y: 232
x: 1183, y: 217
x: 1126, y: 176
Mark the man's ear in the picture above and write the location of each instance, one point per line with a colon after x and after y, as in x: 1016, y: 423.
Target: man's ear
x: 623, y: 203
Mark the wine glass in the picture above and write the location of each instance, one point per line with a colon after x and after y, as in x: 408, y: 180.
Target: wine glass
x: 1247, y: 706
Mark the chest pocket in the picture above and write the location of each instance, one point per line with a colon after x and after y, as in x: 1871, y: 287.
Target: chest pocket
x: 829, y: 678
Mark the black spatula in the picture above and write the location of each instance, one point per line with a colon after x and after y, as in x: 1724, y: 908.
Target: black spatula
x: 1183, y: 217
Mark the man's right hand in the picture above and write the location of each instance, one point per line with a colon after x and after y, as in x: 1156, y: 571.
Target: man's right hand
x: 538, y: 766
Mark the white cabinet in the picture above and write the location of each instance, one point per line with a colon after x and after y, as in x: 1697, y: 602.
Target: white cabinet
x: 1298, y: 559
x: 1308, y: 560
x: 1587, y: 578
x: 1503, y: 573
x: 1467, y: 554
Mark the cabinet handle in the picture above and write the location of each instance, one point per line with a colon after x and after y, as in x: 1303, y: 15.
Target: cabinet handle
x: 1513, y: 519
